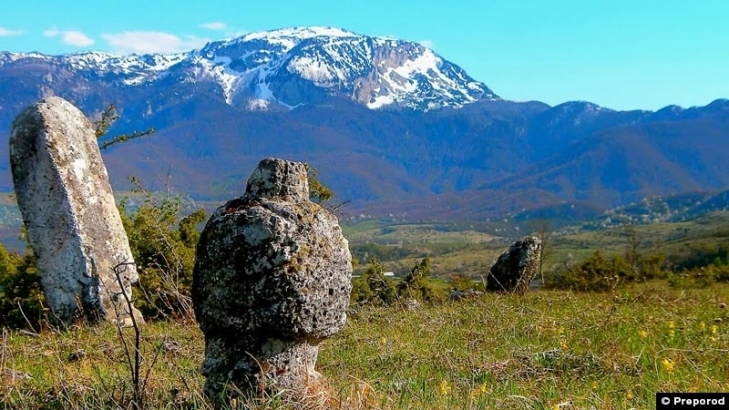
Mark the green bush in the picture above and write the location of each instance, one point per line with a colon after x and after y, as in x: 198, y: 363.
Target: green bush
x: 416, y: 284
x: 596, y: 274
x: 600, y: 273
x: 701, y: 255
x: 21, y: 295
x: 163, y: 246
x: 653, y: 267
x: 702, y: 277
x: 464, y: 283
x: 373, y: 287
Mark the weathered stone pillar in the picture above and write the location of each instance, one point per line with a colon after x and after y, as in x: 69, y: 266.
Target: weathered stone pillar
x: 272, y: 279
x: 515, y: 269
x: 68, y: 208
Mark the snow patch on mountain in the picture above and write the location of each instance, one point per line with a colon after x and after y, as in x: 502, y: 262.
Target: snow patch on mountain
x: 134, y: 63
x: 282, y: 66
x: 313, y: 70
x: 293, y: 35
x: 256, y: 104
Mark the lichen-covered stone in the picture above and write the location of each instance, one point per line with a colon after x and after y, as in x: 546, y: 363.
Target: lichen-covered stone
x: 272, y: 279
x: 73, y: 224
x: 516, y: 268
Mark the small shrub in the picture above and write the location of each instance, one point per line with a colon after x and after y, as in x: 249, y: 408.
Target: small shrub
x: 416, y: 284
x: 373, y: 287
x: 702, y: 277
x: 463, y: 283
x: 595, y: 274
x: 653, y: 267
x: 163, y: 246
x: 21, y: 295
x: 599, y: 273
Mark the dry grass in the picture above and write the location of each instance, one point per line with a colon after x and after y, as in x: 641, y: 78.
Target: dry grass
x: 545, y: 349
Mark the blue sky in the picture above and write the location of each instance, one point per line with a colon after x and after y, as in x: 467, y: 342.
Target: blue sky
x: 639, y: 54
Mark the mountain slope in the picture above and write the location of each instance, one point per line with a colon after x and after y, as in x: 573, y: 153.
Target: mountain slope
x: 391, y: 126
x: 625, y: 163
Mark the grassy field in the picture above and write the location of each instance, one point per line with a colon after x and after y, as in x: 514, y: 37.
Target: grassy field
x: 544, y: 350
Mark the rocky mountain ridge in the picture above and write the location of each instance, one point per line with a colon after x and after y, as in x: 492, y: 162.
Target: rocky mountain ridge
x: 422, y: 145
x: 290, y: 67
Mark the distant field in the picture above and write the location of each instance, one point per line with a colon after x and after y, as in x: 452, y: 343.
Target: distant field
x: 466, y: 248
x: 415, y: 234
x: 456, y: 248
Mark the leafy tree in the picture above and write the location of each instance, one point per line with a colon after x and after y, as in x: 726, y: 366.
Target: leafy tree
x: 162, y: 243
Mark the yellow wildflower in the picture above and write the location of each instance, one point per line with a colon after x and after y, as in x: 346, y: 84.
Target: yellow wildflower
x: 671, y: 324
x: 714, y: 329
x: 702, y: 326
x: 383, y: 340
x: 444, y: 388
x: 479, y: 391
x: 629, y: 396
x: 595, y: 385
x: 668, y: 365
x: 560, y: 330
x: 643, y: 334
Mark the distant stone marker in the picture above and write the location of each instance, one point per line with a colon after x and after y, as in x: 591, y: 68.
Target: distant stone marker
x: 272, y: 279
x: 515, y: 269
x: 68, y: 208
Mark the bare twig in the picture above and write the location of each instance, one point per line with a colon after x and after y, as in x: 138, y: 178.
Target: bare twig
x: 134, y: 359
x: 25, y: 317
x: 5, y: 347
x: 137, y: 392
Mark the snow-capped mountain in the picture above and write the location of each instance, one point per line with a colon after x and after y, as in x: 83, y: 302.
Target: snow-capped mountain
x: 501, y: 155
x: 293, y: 66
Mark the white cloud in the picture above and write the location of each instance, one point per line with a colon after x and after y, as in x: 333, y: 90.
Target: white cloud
x: 147, y: 42
x: 228, y: 32
x: 426, y: 43
x: 5, y: 32
x: 76, y: 38
x: 51, y: 32
x: 216, y: 25
x: 70, y: 37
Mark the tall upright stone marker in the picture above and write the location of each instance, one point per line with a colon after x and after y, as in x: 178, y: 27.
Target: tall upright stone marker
x: 73, y: 224
x: 272, y: 279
